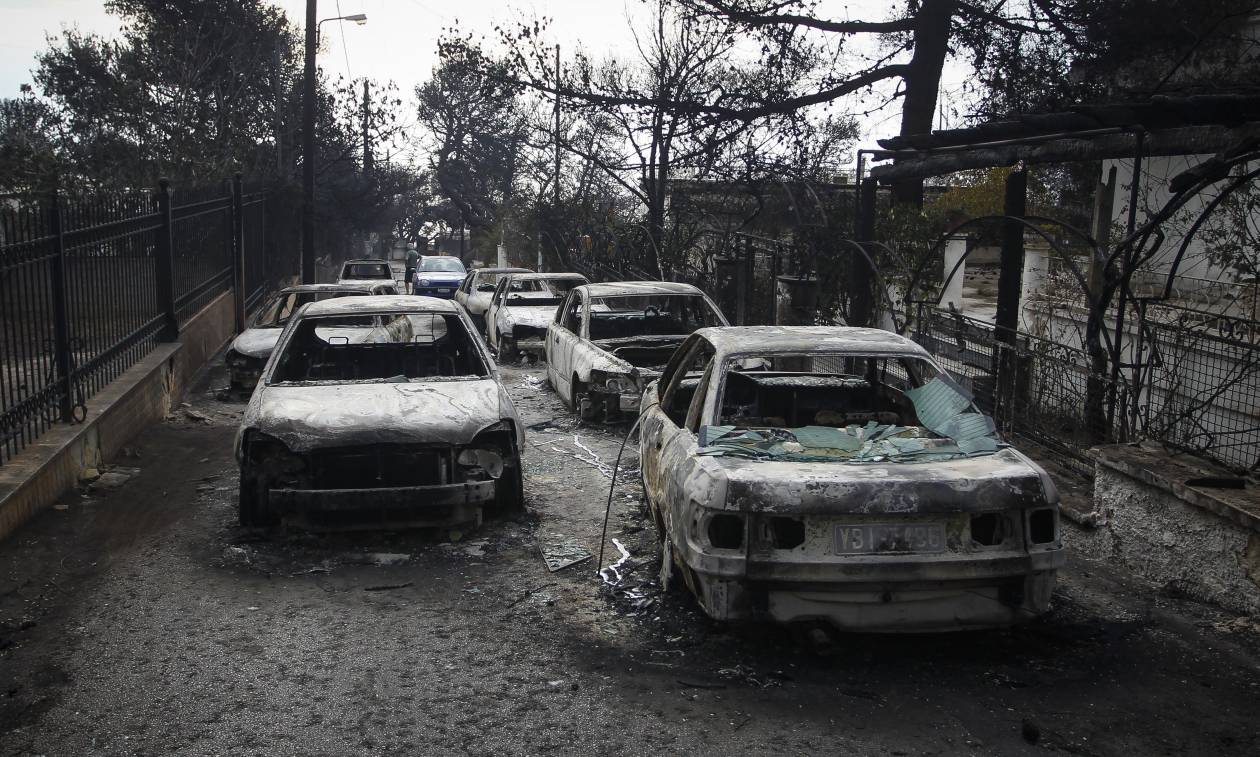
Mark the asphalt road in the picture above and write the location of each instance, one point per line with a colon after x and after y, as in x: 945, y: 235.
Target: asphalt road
x: 142, y: 620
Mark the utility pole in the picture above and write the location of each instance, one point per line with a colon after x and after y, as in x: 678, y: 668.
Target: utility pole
x: 277, y: 62
x: 557, y: 187
x: 308, y: 149
x: 368, y: 162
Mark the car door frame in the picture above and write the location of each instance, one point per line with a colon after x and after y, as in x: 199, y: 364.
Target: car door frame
x: 492, y: 312
x: 561, y: 342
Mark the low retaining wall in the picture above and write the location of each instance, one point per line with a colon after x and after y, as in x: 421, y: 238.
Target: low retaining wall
x: 1198, y: 540
x: 142, y: 395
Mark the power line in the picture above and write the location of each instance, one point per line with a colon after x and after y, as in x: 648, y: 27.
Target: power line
x: 341, y: 27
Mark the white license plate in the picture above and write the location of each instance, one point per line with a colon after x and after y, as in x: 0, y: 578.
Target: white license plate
x: 444, y: 291
x: 877, y: 538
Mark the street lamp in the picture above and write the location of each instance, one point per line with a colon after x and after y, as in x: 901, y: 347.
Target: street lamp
x: 308, y: 137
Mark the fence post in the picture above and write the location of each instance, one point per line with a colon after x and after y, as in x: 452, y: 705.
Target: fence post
x: 238, y: 253
x: 1006, y: 322
x: 61, y: 312
x: 163, y: 266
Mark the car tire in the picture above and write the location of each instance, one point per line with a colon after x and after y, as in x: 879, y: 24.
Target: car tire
x: 507, y: 351
x: 581, y: 401
x: 509, y: 491
x: 252, y: 504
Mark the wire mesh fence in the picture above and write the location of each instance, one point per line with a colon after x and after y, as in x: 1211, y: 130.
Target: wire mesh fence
x: 90, y: 283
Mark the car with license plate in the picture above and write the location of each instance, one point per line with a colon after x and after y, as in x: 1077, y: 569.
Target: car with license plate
x: 840, y: 475
x: 522, y: 307
x: 475, y: 291
x: 378, y: 412
x: 370, y: 270
x: 608, y: 341
x: 438, y: 276
x: 250, y: 349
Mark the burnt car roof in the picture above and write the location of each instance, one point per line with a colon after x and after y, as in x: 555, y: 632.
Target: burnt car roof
x: 480, y: 271
x: 380, y: 303
x: 625, y: 288
x: 531, y: 276
x: 347, y: 287
x: 808, y: 339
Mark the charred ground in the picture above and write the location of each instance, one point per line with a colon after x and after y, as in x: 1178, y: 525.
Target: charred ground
x: 143, y: 620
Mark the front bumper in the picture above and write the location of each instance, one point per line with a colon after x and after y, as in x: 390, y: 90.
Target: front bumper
x: 244, y: 372
x: 413, y: 506
x: 444, y: 291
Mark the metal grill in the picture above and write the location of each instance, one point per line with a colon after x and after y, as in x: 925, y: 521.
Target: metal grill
x: 89, y: 283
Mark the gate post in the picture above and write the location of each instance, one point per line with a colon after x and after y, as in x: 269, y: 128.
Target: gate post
x: 1006, y: 323
x: 238, y: 253
x: 61, y: 312
x: 861, y: 275
x: 163, y: 266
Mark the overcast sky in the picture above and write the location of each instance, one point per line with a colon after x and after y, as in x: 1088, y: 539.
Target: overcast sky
x: 399, y: 40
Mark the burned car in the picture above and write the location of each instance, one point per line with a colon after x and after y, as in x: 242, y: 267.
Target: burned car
x: 378, y: 411
x: 522, y: 307
x: 366, y: 270
x: 477, y: 288
x: 839, y: 475
x: 249, y: 351
x: 608, y: 341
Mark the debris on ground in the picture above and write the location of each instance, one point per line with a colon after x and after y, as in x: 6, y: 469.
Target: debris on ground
x: 559, y: 553
x: 388, y: 587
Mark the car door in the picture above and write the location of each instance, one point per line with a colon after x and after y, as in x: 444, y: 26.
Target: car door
x: 461, y: 293
x: 492, y: 312
x: 562, y: 339
x: 655, y: 421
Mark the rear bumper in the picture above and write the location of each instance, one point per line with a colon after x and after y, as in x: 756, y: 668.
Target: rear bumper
x: 910, y: 594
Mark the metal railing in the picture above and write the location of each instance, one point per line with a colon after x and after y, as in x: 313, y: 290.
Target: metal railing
x: 90, y: 283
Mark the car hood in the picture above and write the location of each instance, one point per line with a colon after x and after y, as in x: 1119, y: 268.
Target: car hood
x: 257, y: 343
x: 523, y: 315
x: 307, y: 417
x: 1003, y: 480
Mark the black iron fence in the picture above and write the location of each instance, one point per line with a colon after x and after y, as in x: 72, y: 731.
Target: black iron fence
x: 90, y: 283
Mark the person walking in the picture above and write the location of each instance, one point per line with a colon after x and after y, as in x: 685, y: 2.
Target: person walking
x: 413, y: 261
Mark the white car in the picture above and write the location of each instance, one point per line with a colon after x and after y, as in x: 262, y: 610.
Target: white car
x: 608, y: 341
x: 368, y: 270
x: 378, y: 411
x: 522, y: 307
x: 475, y: 291
x: 251, y: 348
x: 839, y: 474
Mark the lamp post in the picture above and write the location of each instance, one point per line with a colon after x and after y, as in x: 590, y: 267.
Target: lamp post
x: 308, y: 137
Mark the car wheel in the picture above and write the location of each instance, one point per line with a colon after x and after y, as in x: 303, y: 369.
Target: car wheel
x: 581, y: 401
x: 509, y: 491
x: 668, y: 575
x: 252, y: 505
x: 507, y: 351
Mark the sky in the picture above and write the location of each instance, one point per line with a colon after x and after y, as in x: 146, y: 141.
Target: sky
x: 399, y: 40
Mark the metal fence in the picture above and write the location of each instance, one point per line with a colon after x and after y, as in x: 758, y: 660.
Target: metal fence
x: 90, y: 283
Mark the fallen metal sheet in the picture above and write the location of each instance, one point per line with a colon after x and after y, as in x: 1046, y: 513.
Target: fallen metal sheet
x: 559, y: 553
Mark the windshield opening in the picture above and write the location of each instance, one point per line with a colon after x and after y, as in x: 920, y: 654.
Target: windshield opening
x: 379, y: 348
x: 539, y: 292
x: 853, y: 408
x: 280, y: 309
x: 366, y: 271
x: 649, y: 315
x: 442, y: 265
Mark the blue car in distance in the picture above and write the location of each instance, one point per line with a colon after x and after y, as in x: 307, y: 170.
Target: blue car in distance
x: 438, y: 276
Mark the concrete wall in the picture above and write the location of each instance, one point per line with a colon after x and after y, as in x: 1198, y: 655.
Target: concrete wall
x: 1203, y: 544
x: 144, y: 394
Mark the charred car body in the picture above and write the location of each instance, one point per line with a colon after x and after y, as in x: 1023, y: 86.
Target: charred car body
x: 378, y: 411
x: 366, y: 271
x: 839, y: 475
x: 475, y: 291
x: 523, y: 306
x: 608, y: 341
x: 252, y: 347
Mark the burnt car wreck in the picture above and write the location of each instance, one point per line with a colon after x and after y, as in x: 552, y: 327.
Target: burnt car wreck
x: 378, y: 411
x: 608, y: 341
x: 839, y: 475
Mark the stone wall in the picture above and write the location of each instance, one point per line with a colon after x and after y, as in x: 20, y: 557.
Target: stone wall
x: 1196, y: 541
